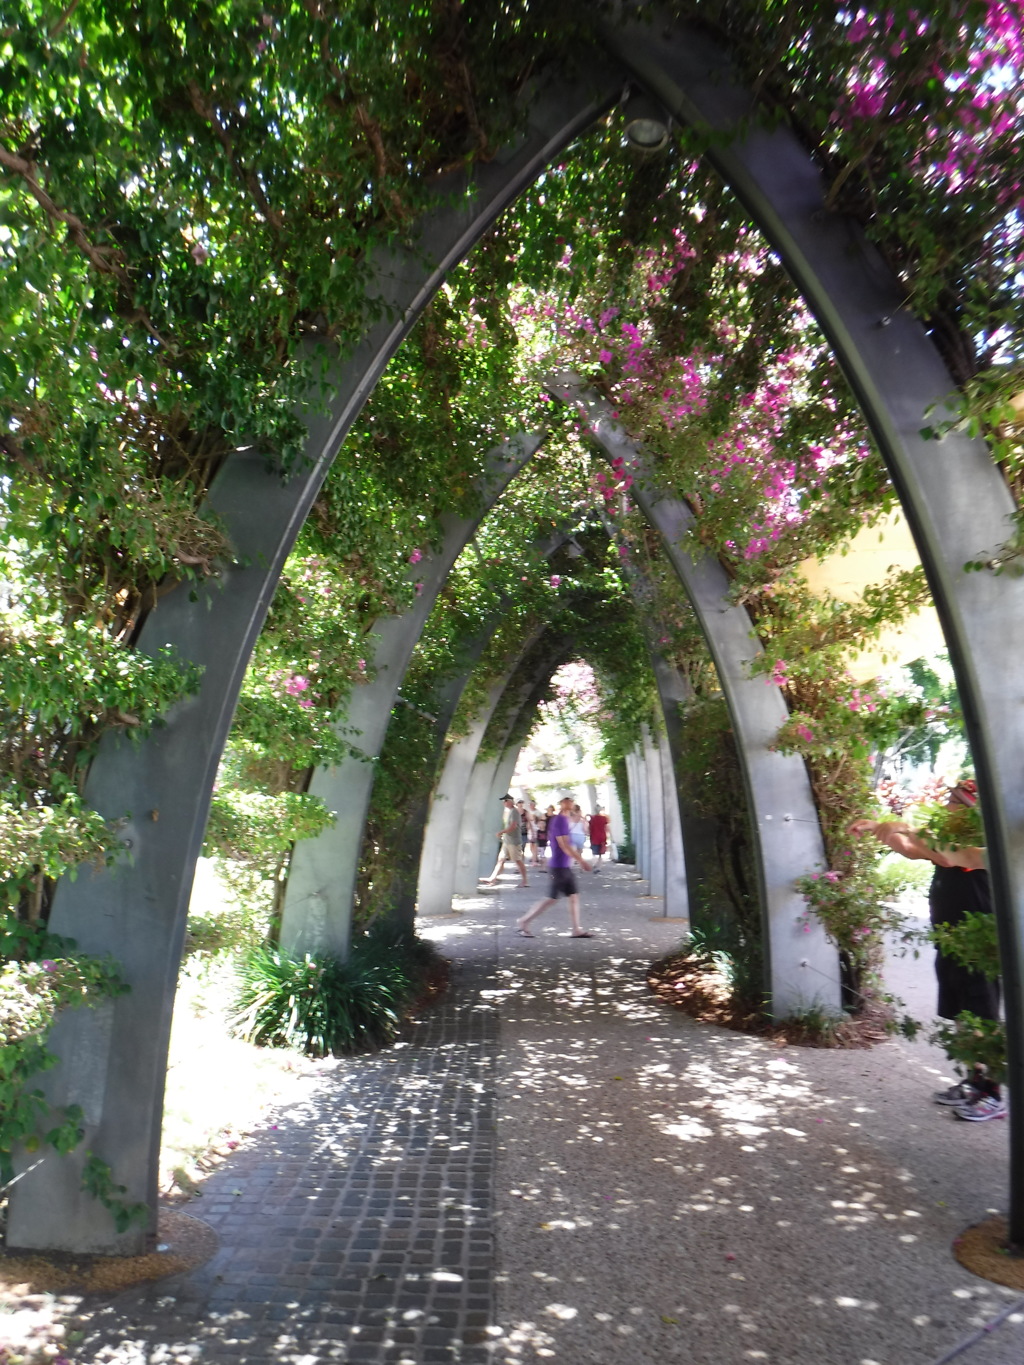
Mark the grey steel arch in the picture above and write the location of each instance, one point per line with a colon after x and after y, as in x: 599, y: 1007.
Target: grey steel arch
x: 956, y: 501
x: 801, y: 967
x: 317, y: 912
x: 454, y: 804
x: 443, y: 855
x: 113, y: 1061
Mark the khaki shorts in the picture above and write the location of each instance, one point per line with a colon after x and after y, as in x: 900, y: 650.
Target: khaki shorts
x: 512, y: 849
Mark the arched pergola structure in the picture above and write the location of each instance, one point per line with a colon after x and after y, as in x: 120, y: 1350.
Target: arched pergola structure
x: 322, y: 877
x: 954, y: 496
x: 801, y: 967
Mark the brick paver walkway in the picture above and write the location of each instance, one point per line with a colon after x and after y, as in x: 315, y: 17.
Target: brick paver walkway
x: 360, y: 1228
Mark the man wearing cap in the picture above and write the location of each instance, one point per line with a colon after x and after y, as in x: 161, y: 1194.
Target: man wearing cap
x: 563, y: 882
x: 511, y: 849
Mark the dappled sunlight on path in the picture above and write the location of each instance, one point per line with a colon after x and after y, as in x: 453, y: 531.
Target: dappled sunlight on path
x: 672, y: 1191
x: 659, y: 1190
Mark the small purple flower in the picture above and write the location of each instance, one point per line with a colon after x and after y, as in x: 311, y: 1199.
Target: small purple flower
x: 48, y: 965
x: 416, y: 556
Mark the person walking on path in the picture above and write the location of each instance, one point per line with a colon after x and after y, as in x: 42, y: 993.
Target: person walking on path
x: 960, y: 886
x: 511, y: 848
x: 542, y: 833
x: 563, y: 882
x: 532, y: 821
x: 598, y: 835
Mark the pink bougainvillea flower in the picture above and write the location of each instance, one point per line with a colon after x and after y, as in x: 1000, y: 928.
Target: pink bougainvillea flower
x: 555, y: 580
x: 48, y: 965
x: 419, y: 588
x: 361, y: 665
x: 296, y: 685
x: 416, y: 556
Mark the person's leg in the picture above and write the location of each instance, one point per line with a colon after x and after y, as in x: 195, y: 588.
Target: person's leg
x: 576, y: 929
x: 573, y: 902
x: 489, y: 881
x: 531, y: 914
x: 521, y: 864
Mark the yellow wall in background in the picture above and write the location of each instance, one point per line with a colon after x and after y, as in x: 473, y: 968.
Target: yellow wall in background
x: 872, y: 553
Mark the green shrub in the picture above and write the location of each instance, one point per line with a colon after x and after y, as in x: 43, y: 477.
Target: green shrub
x: 894, y: 875
x: 323, y: 1005
x: 735, y: 954
x: 970, y: 1042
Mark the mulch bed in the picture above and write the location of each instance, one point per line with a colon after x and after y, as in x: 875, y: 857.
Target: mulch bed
x: 696, y: 986
x: 188, y: 1243
x: 983, y: 1250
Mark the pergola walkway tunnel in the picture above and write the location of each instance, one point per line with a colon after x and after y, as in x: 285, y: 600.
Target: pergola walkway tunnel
x: 386, y: 373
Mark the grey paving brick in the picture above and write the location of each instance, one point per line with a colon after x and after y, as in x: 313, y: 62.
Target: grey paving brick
x: 348, y: 1204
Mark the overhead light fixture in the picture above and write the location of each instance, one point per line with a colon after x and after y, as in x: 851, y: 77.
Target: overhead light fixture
x: 646, y: 124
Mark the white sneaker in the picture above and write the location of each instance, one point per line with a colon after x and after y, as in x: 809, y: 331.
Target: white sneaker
x: 983, y: 1108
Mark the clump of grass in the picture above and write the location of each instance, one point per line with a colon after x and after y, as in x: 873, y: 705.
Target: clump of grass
x: 323, y: 1005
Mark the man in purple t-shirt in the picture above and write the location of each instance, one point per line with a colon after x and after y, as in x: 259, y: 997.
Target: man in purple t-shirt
x: 563, y: 880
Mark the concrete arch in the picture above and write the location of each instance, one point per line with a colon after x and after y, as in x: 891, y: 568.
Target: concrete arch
x: 409, y: 858
x: 317, y: 913
x: 955, y: 499
x: 801, y: 967
x: 113, y: 1061
x: 697, y: 835
x: 449, y: 802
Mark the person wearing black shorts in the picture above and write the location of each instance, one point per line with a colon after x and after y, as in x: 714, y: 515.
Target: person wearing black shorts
x: 563, y: 880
